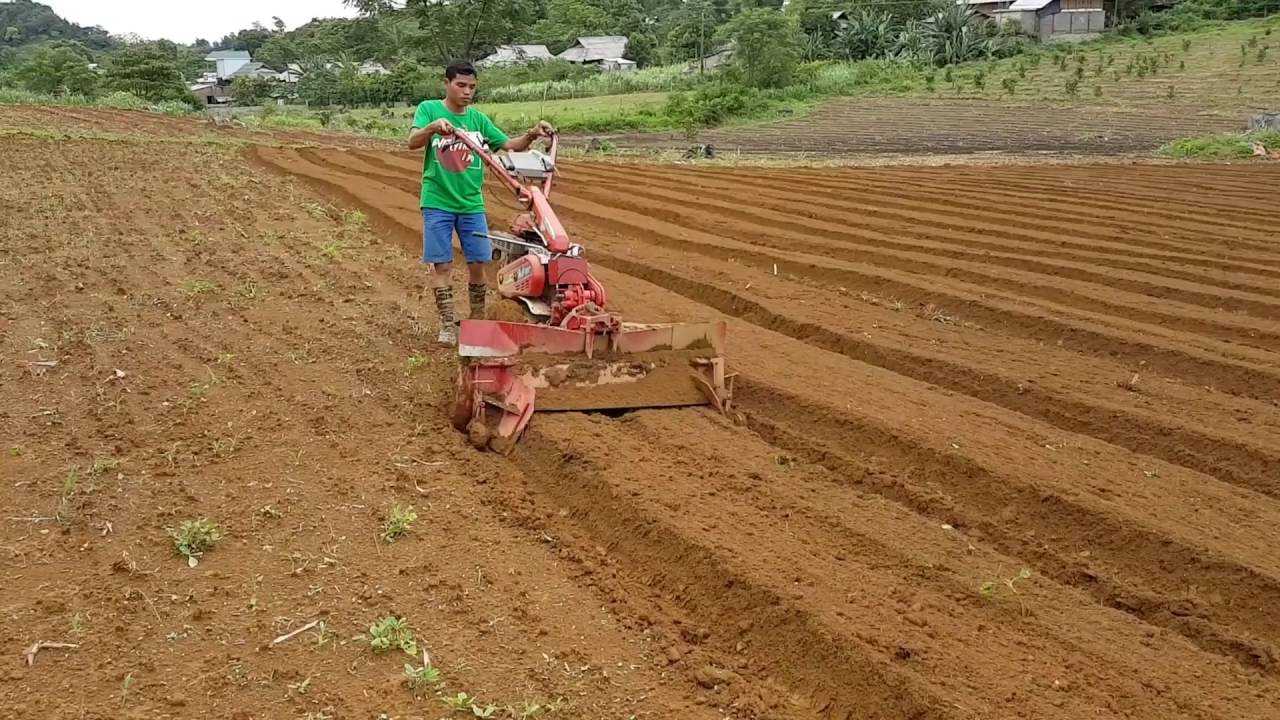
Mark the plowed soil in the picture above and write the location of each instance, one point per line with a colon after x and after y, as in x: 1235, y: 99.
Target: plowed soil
x: 916, y: 126
x: 1008, y: 446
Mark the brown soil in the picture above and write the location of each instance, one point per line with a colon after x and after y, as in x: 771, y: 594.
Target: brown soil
x: 920, y: 126
x: 1004, y: 455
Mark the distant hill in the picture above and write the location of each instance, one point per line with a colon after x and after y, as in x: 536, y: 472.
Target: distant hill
x: 23, y: 22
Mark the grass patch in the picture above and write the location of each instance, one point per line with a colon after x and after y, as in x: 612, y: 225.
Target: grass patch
x: 398, y: 522
x: 1220, y: 147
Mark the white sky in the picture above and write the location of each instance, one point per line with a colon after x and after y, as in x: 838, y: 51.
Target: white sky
x: 185, y: 20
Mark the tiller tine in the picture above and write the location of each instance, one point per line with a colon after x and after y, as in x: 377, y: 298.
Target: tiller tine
x: 510, y: 370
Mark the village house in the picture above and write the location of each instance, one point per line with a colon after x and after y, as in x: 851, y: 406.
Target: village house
x: 1056, y: 20
x: 605, y: 50
x: 515, y: 55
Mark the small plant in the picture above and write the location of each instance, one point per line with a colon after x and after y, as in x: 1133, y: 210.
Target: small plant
x: 421, y: 679
x: 988, y: 588
x: 1182, y: 64
x: 197, y: 287
x: 1022, y: 71
x: 1080, y: 72
x: 322, y: 634
x: 1010, y: 85
x: 398, y: 523
x: 459, y: 702
x: 416, y: 361
x: 355, y: 218
x: 949, y: 77
x: 77, y: 624
x: 1253, y: 42
x: 1172, y: 93
x: 332, y: 249
x: 124, y: 688
x: 194, y: 537
x: 1262, y: 54
x: 1097, y: 91
x: 1072, y: 87
x: 1186, y: 45
x: 391, y: 633
x: 979, y: 80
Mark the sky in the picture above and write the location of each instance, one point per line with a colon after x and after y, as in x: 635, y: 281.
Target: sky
x: 185, y: 20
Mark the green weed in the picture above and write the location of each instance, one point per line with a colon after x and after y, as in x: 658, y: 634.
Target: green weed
x: 355, y: 218
x: 398, y: 523
x: 391, y: 633
x: 195, y: 537
x: 422, y: 679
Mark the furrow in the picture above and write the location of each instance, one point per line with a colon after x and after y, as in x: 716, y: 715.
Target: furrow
x: 1196, y: 366
x: 922, y: 213
x: 1216, y: 456
x: 795, y: 233
x: 1032, y: 524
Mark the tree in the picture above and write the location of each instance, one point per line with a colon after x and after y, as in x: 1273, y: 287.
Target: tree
x: 318, y: 86
x: 147, y: 71
x: 642, y: 47
x: 250, y: 90
x: 461, y: 29
x: 569, y: 19
x: 12, y: 35
x: 691, y: 29
x: 766, y: 46
x: 52, y: 69
x: 868, y: 34
x: 277, y: 23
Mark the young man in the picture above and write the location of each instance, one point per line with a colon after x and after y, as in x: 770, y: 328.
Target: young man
x: 452, y: 182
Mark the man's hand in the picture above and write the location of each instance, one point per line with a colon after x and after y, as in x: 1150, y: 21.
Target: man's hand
x: 419, y: 138
x: 541, y: 130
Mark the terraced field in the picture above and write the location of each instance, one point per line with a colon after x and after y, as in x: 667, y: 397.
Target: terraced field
x: 1008, y: 445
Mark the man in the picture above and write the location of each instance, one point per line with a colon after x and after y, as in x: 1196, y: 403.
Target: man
x: 452, y: 182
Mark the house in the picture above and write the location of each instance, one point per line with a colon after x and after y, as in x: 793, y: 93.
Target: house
x: 986, y: 8
x: 211, y: 93
x: 291, y: 74
x: 254, y: 70
x: 617, y: 65
x: 515, y: 55
x: 368, y: 67
x: 228, y: 61
x: 596, y: 49
x: 1056, y: 20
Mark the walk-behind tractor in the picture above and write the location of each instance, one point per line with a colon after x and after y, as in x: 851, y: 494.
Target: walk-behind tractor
x: 563, y: 350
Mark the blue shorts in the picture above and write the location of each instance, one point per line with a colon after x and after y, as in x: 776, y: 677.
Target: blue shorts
x: 438, y: 227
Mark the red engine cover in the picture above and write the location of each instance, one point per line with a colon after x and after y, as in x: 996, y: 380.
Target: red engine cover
x: 524, y: 277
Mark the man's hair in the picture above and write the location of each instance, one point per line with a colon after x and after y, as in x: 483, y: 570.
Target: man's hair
x: 459, y: 67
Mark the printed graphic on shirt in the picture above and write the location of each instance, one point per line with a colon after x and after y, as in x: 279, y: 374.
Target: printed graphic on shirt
x: 452, y: 154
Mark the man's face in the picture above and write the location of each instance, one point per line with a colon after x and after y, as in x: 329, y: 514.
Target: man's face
x: 461, y: 90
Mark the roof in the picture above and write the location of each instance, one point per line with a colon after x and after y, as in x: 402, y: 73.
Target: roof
x: 600, y: 47
x: 253, y: 68
x: 982, y: 2
x: 1029, y: 4
x: 229, y: 55
x: 517, y: 53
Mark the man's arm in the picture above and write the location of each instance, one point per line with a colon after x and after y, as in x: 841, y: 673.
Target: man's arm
x: 419, y: 137
x: 522, y: 142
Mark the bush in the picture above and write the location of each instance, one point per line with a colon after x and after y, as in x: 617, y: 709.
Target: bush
x: 710, y: 105
x: 121, y: 100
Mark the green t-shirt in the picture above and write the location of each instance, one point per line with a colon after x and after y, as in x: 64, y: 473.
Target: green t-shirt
x: 452, y: 175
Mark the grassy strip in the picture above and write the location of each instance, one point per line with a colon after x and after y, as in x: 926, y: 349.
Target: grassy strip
x: 1220, y: 147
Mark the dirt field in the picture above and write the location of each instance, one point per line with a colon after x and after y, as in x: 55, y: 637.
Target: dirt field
x: 876, y: 126
x: 1010, y: 446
